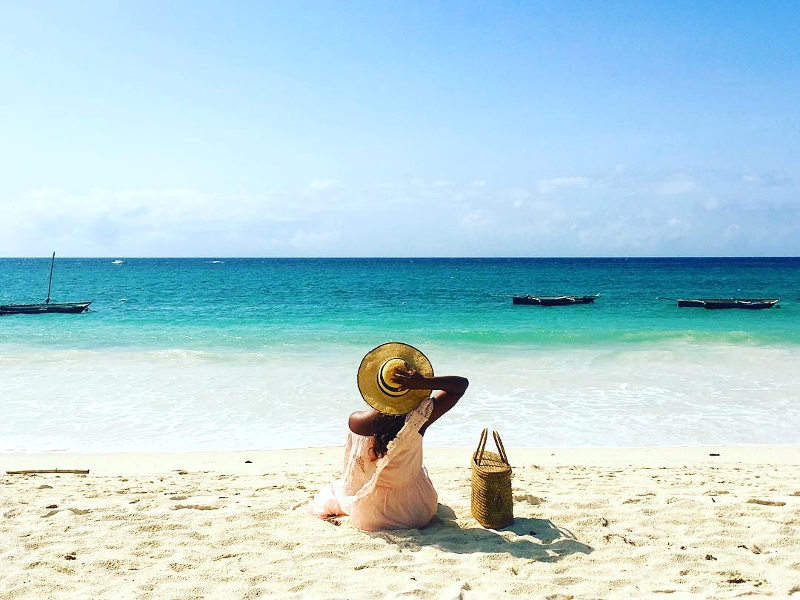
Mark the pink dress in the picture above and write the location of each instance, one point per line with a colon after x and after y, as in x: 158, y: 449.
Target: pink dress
x: 392, y: 492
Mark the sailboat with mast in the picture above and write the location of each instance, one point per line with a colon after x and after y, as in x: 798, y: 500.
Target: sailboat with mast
x: 46, y: 306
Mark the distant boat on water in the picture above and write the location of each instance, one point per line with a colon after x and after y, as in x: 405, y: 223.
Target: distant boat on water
x: 46, y: 306
x: 554, y: 300
x: 49, y: 307
x: 117, y: 262
x: 719, y: 303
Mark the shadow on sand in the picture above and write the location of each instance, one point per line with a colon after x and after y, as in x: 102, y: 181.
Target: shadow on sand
x: 536, y: 539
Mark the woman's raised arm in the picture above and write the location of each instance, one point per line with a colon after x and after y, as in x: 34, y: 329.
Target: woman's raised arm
x: 449, y: 388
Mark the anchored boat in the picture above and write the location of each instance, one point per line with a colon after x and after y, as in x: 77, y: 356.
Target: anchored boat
x: 46, y: 306
x: 554, y: 300
x: 35, y: 309
x: 718, y: 303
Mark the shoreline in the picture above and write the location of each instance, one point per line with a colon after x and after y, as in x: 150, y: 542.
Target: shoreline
x: 109, y: 463
x: 608, y: 396
x: 589, y: 523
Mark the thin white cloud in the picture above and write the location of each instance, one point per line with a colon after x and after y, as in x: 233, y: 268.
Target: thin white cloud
x: 314, y: 241
x: 614, y: 213
x: 731, y: 232
x: 45, y: 193
x: 478, y: 219
x: 322, y: 185
x: 766, y: 180
x: 556, y: 184
x: 677, y: 185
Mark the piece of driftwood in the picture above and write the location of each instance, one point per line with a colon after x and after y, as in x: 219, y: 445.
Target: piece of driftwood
x: 36, y: 471
x: 766, y: 502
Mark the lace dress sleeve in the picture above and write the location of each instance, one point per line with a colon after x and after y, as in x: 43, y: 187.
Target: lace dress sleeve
x: 348, y: 449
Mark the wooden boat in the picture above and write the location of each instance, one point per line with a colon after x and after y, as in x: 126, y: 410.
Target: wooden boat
x: 50, y: 307
x: 46, y: 306
x: 717, y: 303
x: 554, y: 300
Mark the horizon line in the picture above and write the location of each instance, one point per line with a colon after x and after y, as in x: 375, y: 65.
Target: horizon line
x: 509, y: 257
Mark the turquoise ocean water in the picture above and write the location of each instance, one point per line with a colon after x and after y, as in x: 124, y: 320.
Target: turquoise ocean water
x: 226, y: 354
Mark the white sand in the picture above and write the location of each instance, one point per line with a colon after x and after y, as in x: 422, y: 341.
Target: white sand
x: 590, y: 523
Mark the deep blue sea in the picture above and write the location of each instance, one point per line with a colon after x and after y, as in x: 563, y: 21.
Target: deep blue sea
x: 235, y: 353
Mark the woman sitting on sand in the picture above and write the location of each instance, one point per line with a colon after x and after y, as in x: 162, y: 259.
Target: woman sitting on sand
x: 384, y: 485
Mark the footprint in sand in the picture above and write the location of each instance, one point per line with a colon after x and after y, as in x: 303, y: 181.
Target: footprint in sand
x: 74, y: 511
x: 529, y: 498
x: 195, y: 506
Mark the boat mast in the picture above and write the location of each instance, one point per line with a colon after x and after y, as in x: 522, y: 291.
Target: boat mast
x: 50, y: 283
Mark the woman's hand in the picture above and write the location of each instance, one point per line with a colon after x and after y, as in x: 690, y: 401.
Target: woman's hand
x: 411, y: 379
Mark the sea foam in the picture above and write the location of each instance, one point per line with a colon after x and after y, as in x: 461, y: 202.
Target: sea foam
x: 181, y: 400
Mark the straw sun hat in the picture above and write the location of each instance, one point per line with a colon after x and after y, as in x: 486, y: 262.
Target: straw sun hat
x: 376, y: 378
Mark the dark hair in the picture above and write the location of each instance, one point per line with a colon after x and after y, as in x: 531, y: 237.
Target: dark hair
x: 388, y: 427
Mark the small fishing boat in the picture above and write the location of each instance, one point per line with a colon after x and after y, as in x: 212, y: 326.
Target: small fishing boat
x: 717, y: 303
x: 554, y: 300
x: 46, y: 306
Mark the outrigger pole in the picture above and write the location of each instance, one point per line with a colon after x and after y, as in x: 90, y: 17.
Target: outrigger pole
x: 50, y: 283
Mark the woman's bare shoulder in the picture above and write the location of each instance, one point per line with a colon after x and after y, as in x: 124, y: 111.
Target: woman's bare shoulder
x: 363, y: 422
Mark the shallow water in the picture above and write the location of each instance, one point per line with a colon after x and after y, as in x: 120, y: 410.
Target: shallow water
x: 194, y: 354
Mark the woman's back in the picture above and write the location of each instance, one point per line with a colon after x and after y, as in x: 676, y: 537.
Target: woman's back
x: 390, y: 492
x: 384, y: 484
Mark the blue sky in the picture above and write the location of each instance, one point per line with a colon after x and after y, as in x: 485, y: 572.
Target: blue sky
x: 399, y: 129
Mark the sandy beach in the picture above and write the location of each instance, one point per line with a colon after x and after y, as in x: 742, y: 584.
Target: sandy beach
x: 590, y: 523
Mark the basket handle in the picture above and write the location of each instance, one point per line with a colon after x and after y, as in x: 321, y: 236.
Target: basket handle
x: 481, y: 446
x: 499, y: 443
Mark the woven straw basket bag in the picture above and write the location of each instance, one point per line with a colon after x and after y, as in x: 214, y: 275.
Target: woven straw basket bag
x: 492, y: 503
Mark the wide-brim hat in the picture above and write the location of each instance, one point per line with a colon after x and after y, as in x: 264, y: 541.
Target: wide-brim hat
x: 376, y: 382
